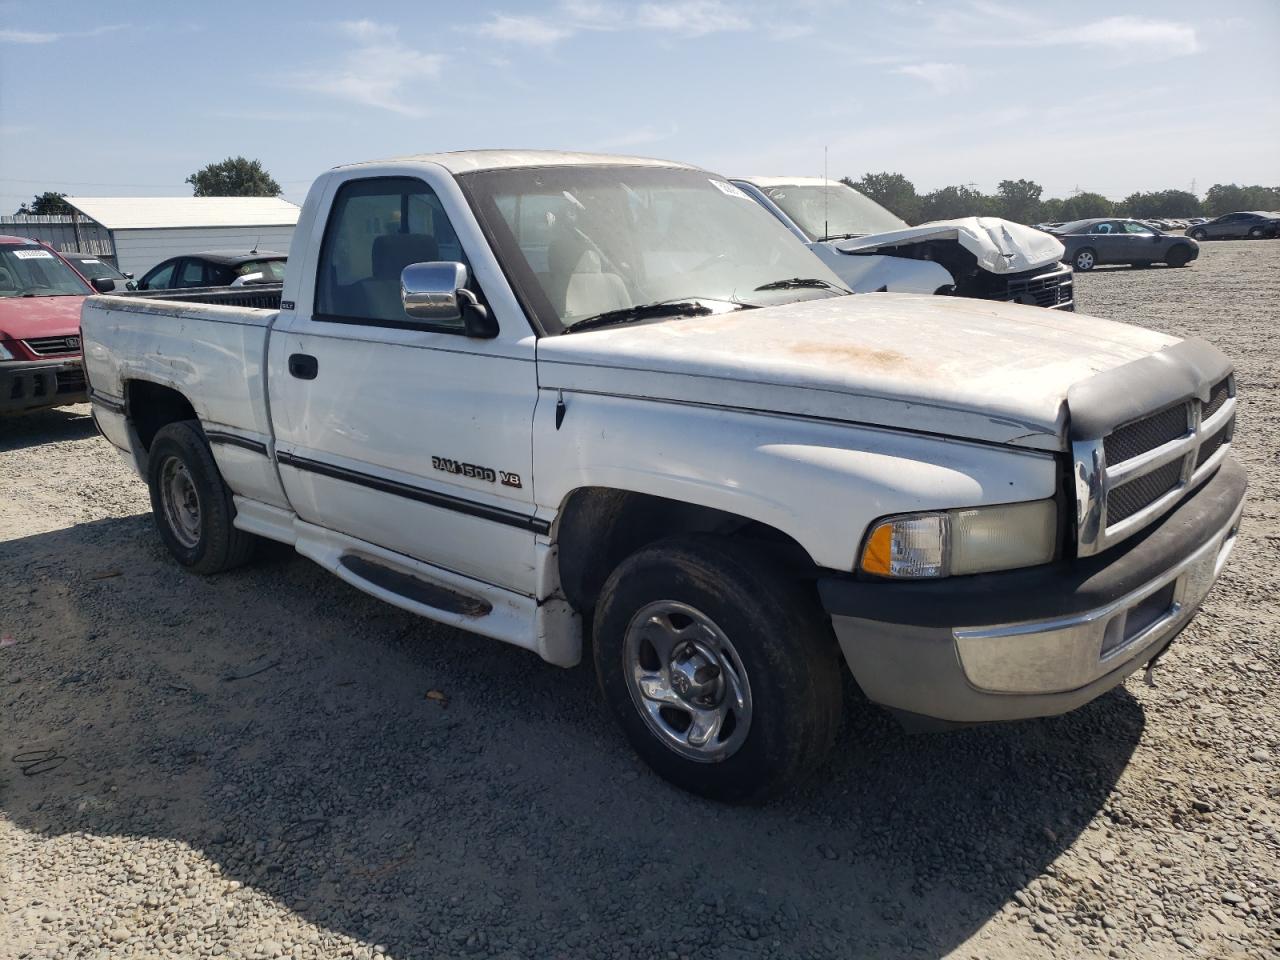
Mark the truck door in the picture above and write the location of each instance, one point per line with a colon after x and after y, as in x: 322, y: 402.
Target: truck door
x: 406, y: 434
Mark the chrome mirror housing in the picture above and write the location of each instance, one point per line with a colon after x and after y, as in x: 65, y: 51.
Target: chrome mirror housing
x: 434, y: 291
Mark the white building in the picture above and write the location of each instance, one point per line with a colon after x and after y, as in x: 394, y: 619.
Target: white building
x: 146, y: 230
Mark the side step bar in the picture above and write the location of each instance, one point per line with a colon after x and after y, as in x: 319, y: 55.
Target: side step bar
x: 413, y: 588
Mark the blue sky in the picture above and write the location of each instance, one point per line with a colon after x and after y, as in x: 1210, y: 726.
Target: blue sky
x: 129, y: 98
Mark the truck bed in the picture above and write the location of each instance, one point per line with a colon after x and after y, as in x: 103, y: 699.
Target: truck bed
x: 261, y: 295
x: 208, y: 352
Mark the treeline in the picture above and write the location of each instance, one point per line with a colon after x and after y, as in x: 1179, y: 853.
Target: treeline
x: 1023, y: 201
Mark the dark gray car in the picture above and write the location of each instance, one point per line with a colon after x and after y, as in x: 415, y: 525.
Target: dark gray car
x: 1089, y: 243
x: 1252, y: 225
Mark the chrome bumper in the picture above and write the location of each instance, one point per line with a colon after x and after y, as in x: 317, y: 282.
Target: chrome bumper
x: 1052, y: 656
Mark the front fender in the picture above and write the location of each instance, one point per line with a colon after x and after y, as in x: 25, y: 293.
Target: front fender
x: 819, y: 483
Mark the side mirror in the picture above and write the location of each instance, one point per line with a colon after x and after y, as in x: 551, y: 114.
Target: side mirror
x: 103, y: 284
x: 437, y: 293
x: 128, y: 276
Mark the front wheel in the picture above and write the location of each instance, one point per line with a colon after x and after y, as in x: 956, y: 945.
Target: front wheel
x: 1256, y: 233
x: 191, y: 503
x: 1085, y: 260
x: 722, y: 672
x: 1199, y: 236
x: 1178, y: 256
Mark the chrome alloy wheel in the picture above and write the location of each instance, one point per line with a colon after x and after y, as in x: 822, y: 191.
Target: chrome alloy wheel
x: 180, y: 501
x: 1084, y: 260
x: 687, y: 681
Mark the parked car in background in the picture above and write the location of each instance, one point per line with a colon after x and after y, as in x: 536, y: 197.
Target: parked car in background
x: 94, y: 268
x: 871, y: 249
x: 1089, y: 243
x: 1253, y: 224
x: 215, y: 269
x: 40, y: 298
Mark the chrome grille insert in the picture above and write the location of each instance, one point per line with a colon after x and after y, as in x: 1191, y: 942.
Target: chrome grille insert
x: 46, y: 346
x: 1129, y: 477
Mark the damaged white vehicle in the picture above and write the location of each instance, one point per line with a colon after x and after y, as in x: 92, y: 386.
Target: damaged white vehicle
x: 872, y: 250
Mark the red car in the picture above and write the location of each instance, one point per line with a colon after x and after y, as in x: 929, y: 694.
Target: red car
x: 40, y: 298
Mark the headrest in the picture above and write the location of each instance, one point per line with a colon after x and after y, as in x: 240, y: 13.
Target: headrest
x: 392, y: 252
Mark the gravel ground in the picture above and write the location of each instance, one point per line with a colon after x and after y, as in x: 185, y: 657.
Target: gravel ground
x: 271, y: 764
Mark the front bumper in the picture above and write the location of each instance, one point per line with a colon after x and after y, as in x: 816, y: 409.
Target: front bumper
x: 33, y: 384
x: 1041, y: 641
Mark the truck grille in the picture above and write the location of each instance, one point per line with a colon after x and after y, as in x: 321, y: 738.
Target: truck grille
x: 1051, y: 290
x: 50, y: 346
x: 1126, y: 499
x: 1141, y: 436
x: 1138, y: 470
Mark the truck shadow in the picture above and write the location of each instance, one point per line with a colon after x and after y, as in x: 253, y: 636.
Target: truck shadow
x: 46, y: 426
x: 278, y: 722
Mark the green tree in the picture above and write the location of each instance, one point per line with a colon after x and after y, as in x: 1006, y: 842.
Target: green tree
x: 892, y: 191
x: 1231, y: 197
x: 1019, y: 200
x: 234, y: 177
x: 1085, y: 205
x: 46, y: 204
x: 1051, y: 210
x: 1162, y: 203
x: 949, y: 203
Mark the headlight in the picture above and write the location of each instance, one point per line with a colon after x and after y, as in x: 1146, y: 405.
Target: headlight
x: 5, y: 352
x: 954, y: 542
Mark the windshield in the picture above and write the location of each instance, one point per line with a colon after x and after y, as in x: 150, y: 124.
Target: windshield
x: 32, y: 271
x: 94, y: 268
x: 834, y: 210
x: 580, y: 241
x: 272, y: 270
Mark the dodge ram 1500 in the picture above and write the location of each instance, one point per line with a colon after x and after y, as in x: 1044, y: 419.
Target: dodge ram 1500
x: 514, y: 391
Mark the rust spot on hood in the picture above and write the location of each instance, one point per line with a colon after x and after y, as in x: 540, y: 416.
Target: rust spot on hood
x: 862, y: 356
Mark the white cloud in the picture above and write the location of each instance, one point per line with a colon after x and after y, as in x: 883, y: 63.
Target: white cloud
x: 941, y: 77
x: 531, y: 31
x: 375, y: 71
x: 36, y: 36
x: 636, y: 136
x: 1167, y: 36
x: 694, y: 18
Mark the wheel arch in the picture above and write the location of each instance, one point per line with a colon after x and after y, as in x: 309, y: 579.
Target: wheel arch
x: 597, y: 528
x: 149, y: 407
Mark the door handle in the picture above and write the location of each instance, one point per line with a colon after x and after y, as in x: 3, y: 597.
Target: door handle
x: 303, y: 366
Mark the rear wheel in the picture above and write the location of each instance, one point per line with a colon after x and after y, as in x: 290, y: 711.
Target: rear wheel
x: 1198, y: 235
x: 1256, y: 233
x: 192, y: 506
x: 722, y: 672
x: 1178, y: 256
x: 1084, y: 260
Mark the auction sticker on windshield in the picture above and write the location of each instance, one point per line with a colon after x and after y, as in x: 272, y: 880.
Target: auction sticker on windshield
x: 33, y: 254
x: 728, y: 189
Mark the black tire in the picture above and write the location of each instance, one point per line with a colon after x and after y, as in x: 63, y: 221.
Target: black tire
x: 780, y: 638
x: 1085, y: 259
x: 1198, y: 235
x: 1179, y: 255
x: 1256, y: 233
x: 211, y: 544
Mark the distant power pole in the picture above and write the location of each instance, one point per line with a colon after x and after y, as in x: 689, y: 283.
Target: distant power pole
x: 1193, y: 187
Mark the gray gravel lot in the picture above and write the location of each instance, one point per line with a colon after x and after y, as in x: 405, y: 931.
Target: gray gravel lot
x: 253, y: 767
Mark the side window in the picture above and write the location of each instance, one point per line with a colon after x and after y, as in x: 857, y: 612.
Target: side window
x: 1134, y: 227
x: 377, y: 228
x: 191, y: 274
x: 216, y: 275
x: 162, y: 279
x: 1101, y: 228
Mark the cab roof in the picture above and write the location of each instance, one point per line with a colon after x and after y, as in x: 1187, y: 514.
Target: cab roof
x: 467, y: 161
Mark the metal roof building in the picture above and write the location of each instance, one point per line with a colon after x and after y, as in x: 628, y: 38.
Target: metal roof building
x: 146, y: 230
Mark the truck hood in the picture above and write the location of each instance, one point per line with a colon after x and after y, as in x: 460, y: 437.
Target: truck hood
x: 973, y: 369
x: 1000, y: 246
x: 22, y: 318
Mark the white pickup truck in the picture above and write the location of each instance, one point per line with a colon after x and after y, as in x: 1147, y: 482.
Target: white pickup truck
x: 525, y: 392
x: 871, y: 249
